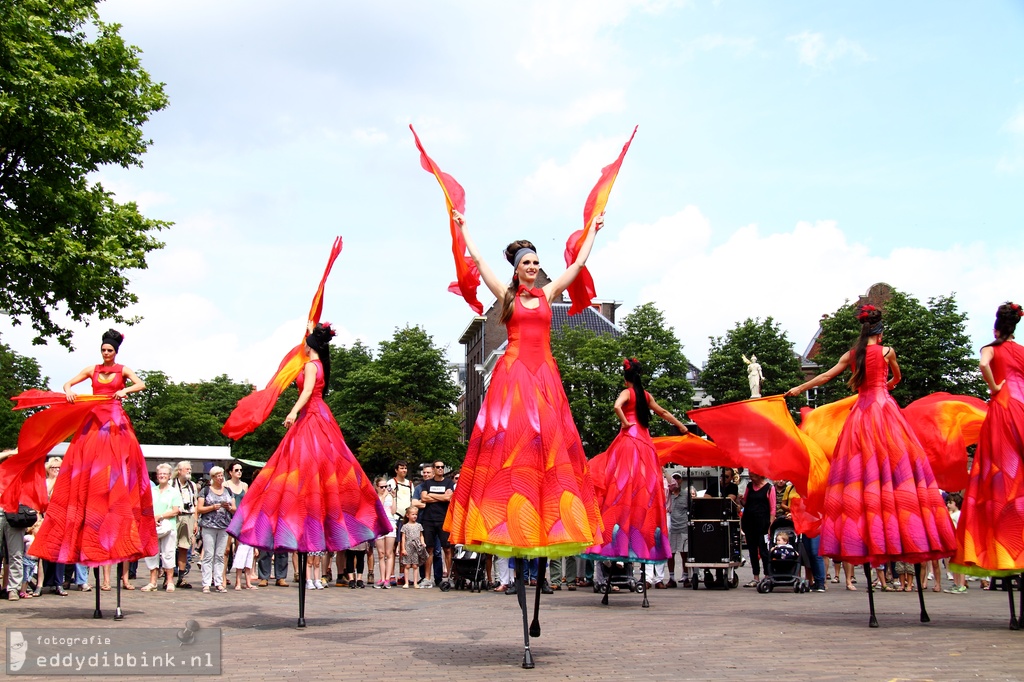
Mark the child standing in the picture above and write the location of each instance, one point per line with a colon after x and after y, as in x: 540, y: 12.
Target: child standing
x: 414, y: 547
x: 953, y: 503
x: 905, y: 571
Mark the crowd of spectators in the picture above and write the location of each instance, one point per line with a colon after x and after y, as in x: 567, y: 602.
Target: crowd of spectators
x: 192, y: 518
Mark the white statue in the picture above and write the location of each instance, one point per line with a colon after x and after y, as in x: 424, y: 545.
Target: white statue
x: 754, y: 375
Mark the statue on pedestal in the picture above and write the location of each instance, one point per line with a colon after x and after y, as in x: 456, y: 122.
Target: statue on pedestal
x: 754, y: 375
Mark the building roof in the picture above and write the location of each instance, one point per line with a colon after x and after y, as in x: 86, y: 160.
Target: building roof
x: 589, y: 319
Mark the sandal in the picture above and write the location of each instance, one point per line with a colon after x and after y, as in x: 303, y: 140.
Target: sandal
x: 206, y: 590
x: 752, y: 583
x: 24, y: 595
x: 149, y: 588
x: 105, y: 587
x: 886, y: 588
x: 835, y: 580
x: 851, y: 588
x: 500, y: 588
x: 85, y: 587
x: 170, y: 587
x: 127, y: 586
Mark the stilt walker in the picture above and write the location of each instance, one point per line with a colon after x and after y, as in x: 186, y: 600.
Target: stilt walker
x: 525, y: 463
x: 629, y: 486
x: 312, y: 495
x: 103, y: 466
x: 989, y: 542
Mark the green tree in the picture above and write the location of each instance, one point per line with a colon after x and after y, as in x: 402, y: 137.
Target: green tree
x: 406, y: 387
x: 17, y: 373
x: 409, y: 435
x: 167, y: 413
x: 931, y: 344
x: 591, y: 369
x: 650, y: 340
x: 725, y: 375
x: 73, y: 98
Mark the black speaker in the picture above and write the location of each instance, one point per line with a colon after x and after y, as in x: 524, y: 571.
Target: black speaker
x: 711, y: 508
x: 710, y: 542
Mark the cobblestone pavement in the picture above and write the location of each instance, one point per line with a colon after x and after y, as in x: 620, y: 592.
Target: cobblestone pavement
x: 686, y: 635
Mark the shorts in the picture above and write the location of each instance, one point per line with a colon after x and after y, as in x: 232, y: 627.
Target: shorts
x: 432, y: 530
x: 679, y: 542
x: 186, y: 530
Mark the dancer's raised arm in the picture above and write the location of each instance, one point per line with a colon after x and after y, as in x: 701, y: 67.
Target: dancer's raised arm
x: 496, y: 286
x: 555, y: 288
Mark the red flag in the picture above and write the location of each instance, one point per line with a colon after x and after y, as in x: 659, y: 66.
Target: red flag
x: 824, y: 424
x: 946, y: 424
x: 253, y: 409
x: 582, y: 291
x: 466, y: 273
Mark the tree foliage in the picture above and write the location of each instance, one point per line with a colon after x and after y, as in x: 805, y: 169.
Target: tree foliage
x: 591, y: 369
x: 17, y: 373
x: 725, y: 375
x: 931, y: 344
x: 397, y: 404
x: 73, y: 98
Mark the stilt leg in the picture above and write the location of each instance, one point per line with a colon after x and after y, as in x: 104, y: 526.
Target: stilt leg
x: 872, y: 621
x: 1014, y: 624
x: 607, y: 586
x: 521, y: 596
x: 118, y: 615
x: 97, y: 613
x: 643, y: 581
x: 920, y: 594
x: 302, y: 590
x: 1020, y: 588
x: 542, y: 567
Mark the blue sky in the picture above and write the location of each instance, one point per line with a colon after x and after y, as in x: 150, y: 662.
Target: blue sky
x: 789, y: 155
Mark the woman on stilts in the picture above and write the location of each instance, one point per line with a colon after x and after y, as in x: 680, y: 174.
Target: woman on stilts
x: 312, y: 495
x: 989, y: 537
x: 525, y: 489
x: 881, y: 501
x: 629, y: 487
x: 101, y: 509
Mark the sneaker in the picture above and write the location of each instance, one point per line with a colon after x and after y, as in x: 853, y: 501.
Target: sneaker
x: 340, y: 583
x: 310, y: 585
x: 393, y: 582
x: 318, y: 584
x: 426, y: 584
x: 360, y: 584
x: 818, y: 588
x: 672, y: 584
x: 956, y: 589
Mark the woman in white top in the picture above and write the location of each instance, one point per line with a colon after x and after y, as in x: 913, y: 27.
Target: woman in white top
x: 386, y: 544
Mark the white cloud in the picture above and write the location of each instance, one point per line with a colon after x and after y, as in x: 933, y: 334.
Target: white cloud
x: 369, y: 136
x: 1015, y: 124
x: 815, y: 51
x: 555, y: 182
x: 716, y: 41
x: 587, y: 108
x: 705, y: 287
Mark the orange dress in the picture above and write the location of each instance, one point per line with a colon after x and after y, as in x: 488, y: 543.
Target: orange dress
x: 881, y: 502
x: 525, y: 487
x: 990, y: 532
x: 101, y: 510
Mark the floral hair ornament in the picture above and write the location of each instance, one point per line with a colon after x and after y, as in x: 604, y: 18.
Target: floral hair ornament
x: 864, y: 312
x: 1017, y: 309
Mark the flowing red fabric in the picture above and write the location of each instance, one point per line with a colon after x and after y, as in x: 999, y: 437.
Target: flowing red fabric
x: 467, y: 276
x: 253, y: 409
x: 690, y: 451
x: 946, y: 425
x: 23, y: 475
x: 581, y: 291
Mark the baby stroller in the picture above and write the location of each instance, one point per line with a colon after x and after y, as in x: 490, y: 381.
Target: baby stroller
x: 784, y: 565
x: 467, y: 571
x: 618, y: 575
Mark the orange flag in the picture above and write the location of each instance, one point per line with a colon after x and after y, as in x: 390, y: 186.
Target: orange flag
x: 690, y: 451
x: 824, y: 424
x: 467, y: 276
x: 946, y: 424
x: 253, y: 409
x: 582, y: 291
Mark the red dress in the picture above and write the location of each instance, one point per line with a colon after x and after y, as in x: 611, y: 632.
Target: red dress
x: 101, y: 511
x: 312, y: 496
x: 631, y: 495
x: 525, y: 488
x: 881, y: 502
x: 990, y: 532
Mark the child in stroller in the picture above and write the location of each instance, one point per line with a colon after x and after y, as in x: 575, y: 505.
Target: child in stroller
x: 467, y: 571
x: 784, y: 562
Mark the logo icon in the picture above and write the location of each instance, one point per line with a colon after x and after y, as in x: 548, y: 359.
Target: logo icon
x: 18, y: 651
